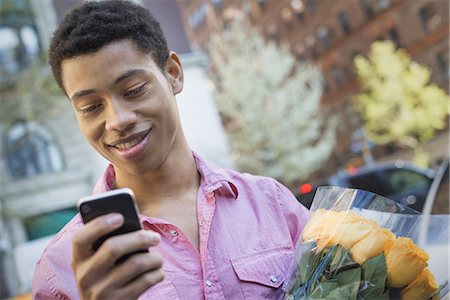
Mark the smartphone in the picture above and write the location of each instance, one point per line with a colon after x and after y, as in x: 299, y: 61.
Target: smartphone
x: 116, y: 201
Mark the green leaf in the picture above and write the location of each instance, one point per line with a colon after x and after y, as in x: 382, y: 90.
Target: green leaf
x: 322, y: 290
x: 374, y: 273
x: 309, y: 262
x: 341, y: 261
x: 349, y: 282
x: 344, y: 286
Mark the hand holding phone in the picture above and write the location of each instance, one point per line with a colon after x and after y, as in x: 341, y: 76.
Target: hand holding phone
x: 116, y: 201
x: 120, y: 266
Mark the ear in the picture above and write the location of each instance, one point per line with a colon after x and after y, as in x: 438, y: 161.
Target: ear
x: 174, y: 72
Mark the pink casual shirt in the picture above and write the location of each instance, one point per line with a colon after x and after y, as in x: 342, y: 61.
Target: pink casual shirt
x: 248, y: 227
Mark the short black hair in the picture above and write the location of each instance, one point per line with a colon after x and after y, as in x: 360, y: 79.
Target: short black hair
x: 92, y: 25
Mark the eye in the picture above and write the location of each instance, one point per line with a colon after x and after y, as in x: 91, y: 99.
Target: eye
x: 135, y: 92
x: 90, y: 108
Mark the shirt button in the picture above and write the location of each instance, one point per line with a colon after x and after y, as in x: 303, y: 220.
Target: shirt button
x: 202, y: 222
x: 208, y: 283
x: 174, y: 232
x: 273, y: 278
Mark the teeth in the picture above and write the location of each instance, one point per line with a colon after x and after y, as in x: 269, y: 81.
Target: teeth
x: 129, y: 144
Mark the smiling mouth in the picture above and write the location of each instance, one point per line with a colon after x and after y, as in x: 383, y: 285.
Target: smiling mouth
x: 130, y: 143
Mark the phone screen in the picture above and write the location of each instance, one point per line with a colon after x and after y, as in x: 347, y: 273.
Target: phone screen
x: 116, y: 201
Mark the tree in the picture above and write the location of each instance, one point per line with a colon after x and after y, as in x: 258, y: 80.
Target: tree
x: 34, y: 96
x: 28, y: 91
x: 270, y: 105
x: 398, y: 102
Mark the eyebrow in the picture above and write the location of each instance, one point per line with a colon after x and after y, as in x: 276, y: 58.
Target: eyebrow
x: 82, y: 93
x: 128, y: 74
x: 119, y: 79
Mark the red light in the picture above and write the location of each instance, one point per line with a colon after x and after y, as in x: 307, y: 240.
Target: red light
x: 352, y: 169
x: 305, y: 188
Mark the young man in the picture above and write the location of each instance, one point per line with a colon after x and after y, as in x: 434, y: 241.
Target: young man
x: 219, y: 233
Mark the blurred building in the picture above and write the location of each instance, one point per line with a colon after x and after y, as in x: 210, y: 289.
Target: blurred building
x: 332, y: 33
x: 46, y: 165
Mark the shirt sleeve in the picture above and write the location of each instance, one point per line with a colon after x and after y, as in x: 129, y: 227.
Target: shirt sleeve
x: 296, y: 215
x: 40, y: 288
x: 43, y: 283
x: 53, y: 276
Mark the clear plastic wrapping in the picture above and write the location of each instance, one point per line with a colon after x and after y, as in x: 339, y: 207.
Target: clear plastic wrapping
x: 359, y: 245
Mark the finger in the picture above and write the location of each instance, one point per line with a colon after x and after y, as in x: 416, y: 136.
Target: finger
x: 85, y: 236
x: 139, y: 285
x: 117, y: 246
x: 102, y: 263
x: 132, y: 268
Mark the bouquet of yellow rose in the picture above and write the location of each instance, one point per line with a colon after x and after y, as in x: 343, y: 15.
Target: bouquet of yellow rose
x: 358, y: 245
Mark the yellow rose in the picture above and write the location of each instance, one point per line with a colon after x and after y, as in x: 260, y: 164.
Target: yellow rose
x: 371, y: 245
x: 329, y: 228
x: 404, y: 260
x: 349, y: 228
x: 422, y: 287
x: 318, y: 225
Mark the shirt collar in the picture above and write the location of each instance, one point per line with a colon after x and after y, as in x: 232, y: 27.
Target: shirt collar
x: 213, y: 178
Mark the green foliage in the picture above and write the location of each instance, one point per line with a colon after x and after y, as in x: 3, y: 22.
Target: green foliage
x: 271, y: 103
x: 33, y: 96
x: 398, y: 102
x: 332, y: 274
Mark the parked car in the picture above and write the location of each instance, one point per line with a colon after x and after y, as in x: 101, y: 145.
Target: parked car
x: 400, y: 181
x: 434, y: 236
x: 437, y: 201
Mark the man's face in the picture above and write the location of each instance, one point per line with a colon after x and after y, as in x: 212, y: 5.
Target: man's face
x: 125, y: 104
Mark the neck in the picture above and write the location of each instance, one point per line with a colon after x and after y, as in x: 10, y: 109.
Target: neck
x: 174, y: 178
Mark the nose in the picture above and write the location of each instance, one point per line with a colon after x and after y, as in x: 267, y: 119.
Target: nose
x: 119, y: 116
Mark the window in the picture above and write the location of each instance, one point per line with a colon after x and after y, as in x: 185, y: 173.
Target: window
x: 405, y: 180
x: 367, y: 8
x: 48, y: 224
x: 408, y: 186
x: 430, y: 20
x: 31, y: 150
x: 441, y: 200
x: 287, y: 15
x: 369, y: 182
x: 314, y: 52
x: 442, y: 60
x: 312, y: 5
x: 262, y: 4
x: 272, y: 32
x: 323, y: 35
x: 297, y: 6
x: 19, y: 44
x: 344, y: 22
x: 337, y: 76
x: 299, y: 9
x: 384, y: 3
x: 393, y: 35
x: 217, y: 4
x: 326, y: 87
x: 299, y: 51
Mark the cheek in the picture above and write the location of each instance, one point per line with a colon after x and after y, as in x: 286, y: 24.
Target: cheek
x: 90, y: 130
